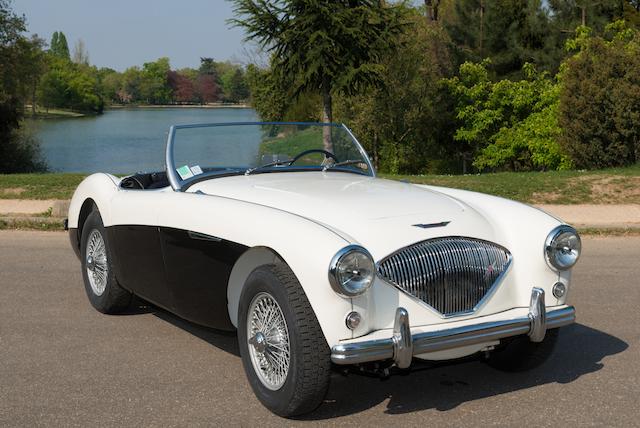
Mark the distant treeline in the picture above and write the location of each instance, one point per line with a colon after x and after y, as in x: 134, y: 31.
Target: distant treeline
x: 69, y: 81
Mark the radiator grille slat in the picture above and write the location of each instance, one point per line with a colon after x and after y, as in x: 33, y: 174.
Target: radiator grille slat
x: 452, y: 274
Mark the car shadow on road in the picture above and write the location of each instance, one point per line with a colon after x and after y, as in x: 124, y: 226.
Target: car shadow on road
x: 223, y: 340
x: 580, y: 351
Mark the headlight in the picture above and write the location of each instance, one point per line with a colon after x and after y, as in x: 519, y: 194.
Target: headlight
x: 351, y: 271
x: 562, y: 247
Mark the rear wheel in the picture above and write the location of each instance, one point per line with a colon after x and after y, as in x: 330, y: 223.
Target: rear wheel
x: 103, y: 291
x: 521, y: 354
x: 284, y: 353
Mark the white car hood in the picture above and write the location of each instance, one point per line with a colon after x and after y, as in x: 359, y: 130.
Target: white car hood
x: 379, y: 214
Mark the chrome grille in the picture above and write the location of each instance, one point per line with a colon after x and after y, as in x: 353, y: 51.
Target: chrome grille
x: 451, y: 274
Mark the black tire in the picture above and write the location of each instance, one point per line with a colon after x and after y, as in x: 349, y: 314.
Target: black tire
x: 521, y: 354
x: 114, y: 298
x: 308, y: 377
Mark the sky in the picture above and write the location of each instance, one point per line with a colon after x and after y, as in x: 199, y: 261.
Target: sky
x: 122, y: 33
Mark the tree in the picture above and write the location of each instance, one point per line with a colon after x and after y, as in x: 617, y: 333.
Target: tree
x: 600, y: 98
x: 182, y: 87
x: 59, y: 46
x: 405, y: 125
x: 325, y: 46
x: 154, y: 88
x: 509, y: 32
x: 70, y: 85
x: 207, y: 89
x: 80, y: 53
x: 18, y: 152
x: 237, y: 89
x: 273, y: 100
x: 507, y: 124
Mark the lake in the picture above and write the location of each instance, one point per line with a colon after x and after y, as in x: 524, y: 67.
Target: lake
x: 121, y: 140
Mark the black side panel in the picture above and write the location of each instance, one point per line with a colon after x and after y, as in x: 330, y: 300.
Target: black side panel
x: 138, y: 260
x: 198, y: 269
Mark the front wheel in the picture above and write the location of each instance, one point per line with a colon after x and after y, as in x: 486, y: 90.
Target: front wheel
x: 103, y: 291
x: 284, y: 353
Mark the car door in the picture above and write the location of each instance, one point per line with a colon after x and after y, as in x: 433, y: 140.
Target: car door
x: 198, y: 267
x: 135, y: 242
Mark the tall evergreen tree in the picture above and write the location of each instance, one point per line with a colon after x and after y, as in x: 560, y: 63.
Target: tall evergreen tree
x: 509, y: 32
x: 326, y: 46
x: 59, y: 46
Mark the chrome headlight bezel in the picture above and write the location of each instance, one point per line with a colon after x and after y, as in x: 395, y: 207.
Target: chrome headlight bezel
x: 551, y: 248
x: 334, y: 271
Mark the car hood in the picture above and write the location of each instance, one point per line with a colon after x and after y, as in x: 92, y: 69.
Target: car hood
x: 382, y: 215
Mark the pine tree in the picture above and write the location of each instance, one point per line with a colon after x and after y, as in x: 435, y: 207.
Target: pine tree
x: 325, y: 46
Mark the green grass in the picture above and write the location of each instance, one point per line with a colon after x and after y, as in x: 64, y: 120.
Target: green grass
x: 293, y: 144
x: 30, y: 224
x: 620, y: 185
x: 52, y: 113
x: 38, y: 186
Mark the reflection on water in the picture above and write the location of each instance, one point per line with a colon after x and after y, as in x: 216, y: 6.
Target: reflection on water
x: 120, y: 141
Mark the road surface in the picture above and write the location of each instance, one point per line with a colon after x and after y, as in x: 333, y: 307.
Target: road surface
x: 64, y: 364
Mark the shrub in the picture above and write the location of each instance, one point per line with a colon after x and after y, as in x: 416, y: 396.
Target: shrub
x: 600, y: 99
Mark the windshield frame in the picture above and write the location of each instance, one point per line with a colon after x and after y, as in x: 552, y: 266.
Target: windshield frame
x: 180, y: 185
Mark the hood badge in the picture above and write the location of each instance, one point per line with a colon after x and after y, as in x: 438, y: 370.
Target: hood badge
x: 432, y: 225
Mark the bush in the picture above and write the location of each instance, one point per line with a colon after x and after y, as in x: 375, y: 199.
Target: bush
x: 507, y: 125
x: 600, y: 99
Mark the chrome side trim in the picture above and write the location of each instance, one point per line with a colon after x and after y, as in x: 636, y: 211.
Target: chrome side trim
x: 203, y: 236
x: 402, y: 341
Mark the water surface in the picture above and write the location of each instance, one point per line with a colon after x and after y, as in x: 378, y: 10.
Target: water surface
x: 122, y: 140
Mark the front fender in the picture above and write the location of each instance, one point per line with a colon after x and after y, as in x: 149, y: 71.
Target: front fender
x: 307, y: 247
x: 524, y: 229
x: 100, y: 188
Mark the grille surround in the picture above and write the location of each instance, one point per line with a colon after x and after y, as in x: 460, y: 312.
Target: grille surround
x: 452, y: 275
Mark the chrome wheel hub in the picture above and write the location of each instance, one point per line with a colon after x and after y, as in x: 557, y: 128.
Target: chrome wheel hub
x: 96, y: 262
x: 268, y: 339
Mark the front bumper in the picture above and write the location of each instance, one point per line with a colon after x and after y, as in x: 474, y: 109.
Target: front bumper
x: 402, y: 345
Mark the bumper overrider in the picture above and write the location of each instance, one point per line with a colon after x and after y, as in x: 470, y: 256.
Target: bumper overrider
x: 402, y: 345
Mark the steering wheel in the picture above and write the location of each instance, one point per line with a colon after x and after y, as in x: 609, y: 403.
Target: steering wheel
x: 306, y: 152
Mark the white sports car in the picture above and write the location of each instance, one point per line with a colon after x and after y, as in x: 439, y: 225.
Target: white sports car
x: 283, y: 232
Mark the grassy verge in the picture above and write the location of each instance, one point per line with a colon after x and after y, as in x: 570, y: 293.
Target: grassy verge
x: 48, y: 224
x: 51, y: 113
x: 611, y: 186
x: 38, y: 186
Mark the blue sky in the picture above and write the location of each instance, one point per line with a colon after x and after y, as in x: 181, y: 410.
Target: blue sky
x: 122, y: 33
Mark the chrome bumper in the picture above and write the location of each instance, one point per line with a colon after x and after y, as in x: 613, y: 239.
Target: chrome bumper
x: 402, y: 345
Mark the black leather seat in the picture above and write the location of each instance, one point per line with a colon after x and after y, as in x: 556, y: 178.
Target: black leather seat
x: 145, y: 181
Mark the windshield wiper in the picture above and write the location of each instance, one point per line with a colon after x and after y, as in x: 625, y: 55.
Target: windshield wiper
x: 267, y: 165
x: 343, y: 163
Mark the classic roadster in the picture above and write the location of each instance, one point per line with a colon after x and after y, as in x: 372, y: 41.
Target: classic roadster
x: 283, y: 232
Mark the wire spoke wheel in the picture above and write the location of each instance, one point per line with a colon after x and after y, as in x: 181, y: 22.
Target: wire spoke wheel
x: 96, y: 262
x: 268, y: 340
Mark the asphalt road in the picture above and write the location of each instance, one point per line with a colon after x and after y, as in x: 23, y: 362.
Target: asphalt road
x: 64, y: 364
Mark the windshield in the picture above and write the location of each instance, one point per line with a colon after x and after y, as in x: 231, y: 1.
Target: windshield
x: 195, y: 152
